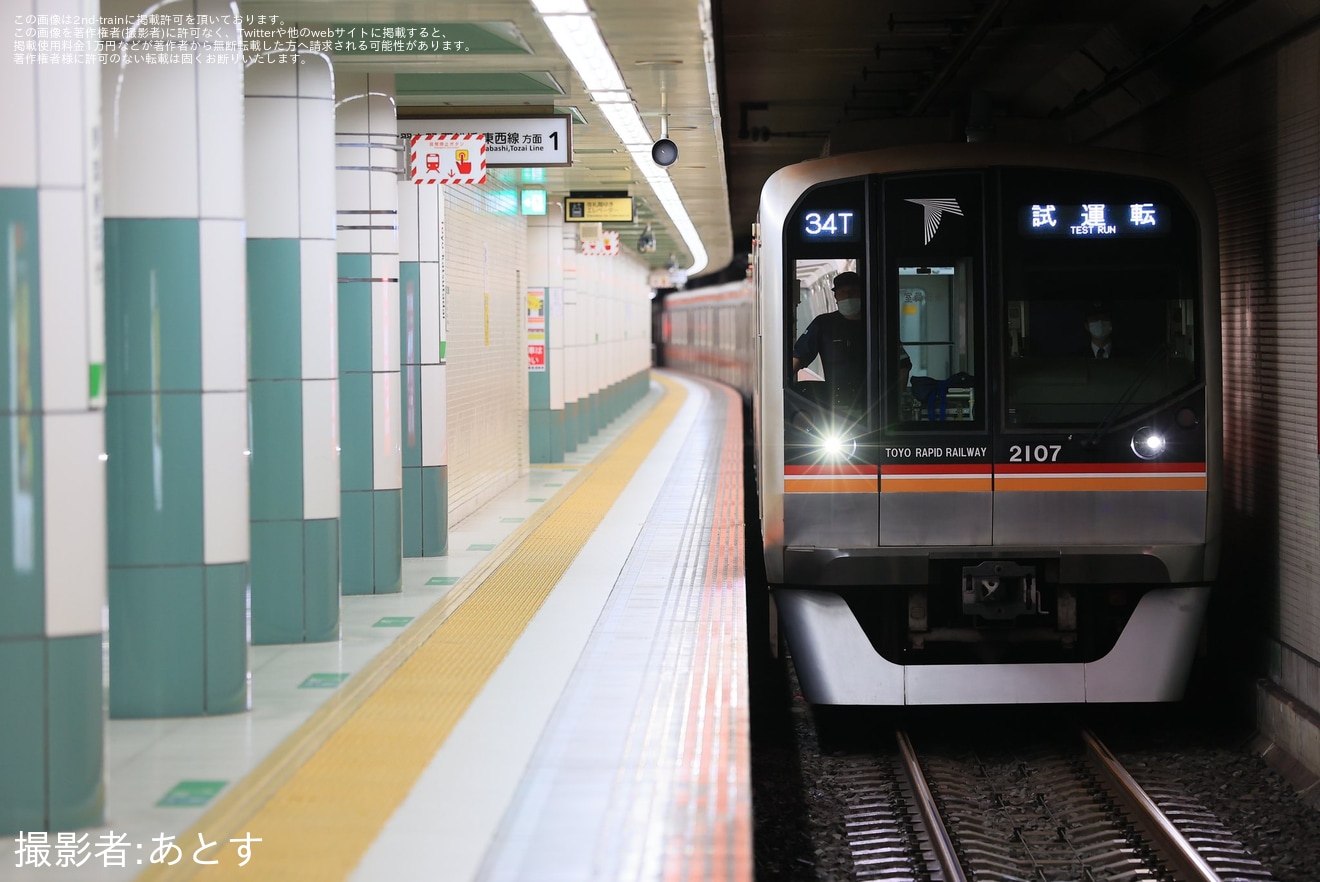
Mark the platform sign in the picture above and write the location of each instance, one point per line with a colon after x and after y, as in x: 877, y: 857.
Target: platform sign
x: 603, y: 209
x: 511, y: 142
x: 447, y: 159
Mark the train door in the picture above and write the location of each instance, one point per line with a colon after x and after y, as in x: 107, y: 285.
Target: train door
x: 935, y: 474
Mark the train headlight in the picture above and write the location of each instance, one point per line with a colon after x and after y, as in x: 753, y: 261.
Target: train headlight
x: 836, y: 446
x: 1148, y: 443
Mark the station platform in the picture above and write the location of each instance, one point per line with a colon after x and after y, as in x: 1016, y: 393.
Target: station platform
x: 562, y: 697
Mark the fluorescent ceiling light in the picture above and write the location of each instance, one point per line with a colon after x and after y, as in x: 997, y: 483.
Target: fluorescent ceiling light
x: 570, y: 23
x: 561, y: 7
x: 628, y: 125
x: 579, y: 39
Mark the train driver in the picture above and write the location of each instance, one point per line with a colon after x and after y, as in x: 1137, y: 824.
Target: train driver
x: 1101, y: 328
x: 839, y: 338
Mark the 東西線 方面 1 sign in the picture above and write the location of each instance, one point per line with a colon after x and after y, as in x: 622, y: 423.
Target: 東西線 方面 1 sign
x: 535, y: 141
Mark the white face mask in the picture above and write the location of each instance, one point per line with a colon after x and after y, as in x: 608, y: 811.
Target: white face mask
x: 1100, y: 330
x: 851, y: 307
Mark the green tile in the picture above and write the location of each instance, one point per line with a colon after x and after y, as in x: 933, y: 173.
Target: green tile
x: 354, y: 314
x: 570, y: 426
x: 411, y: 392
x: 154, y: 479
x: 20, y: 302
x: 512, y: 520
x: 536, y: 499
x: 153, y: 308
x: 24, y: 758
x: 276, y: 464
x: 22, y: 526
x: 435, y: 511
x: 355, y: 437
x: 356, y: 529
x: 73, y: 702
x: 277, y: 582
x: 191, y: 794
x: 481, y: 546
x: 321, y: 578
x: 442, y: 580
x: 157, y: 649
x: 392, y: 621
x: 274, y: 274
x: 410, y: 312
x: 557, y: 435
x: 538, y: 434
x: 323, y: 681
x: 412, y: 511
x: 388, y: 540
x: 226, y: 638
x: 552, y: 485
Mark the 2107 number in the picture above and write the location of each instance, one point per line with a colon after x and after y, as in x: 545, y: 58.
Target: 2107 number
x: 1039, y: 453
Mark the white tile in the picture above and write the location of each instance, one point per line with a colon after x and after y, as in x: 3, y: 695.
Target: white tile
x: 384, y: 313
x: 320, y: 422
x: 273, y: 80
x: 351, y: 97
x: 271, y: 173
x: 64, y: 298
x: 432, y: 332
x: 384, y: 205
x: 316, y: 76
x: 316, y: 168
x: 18, y: 106
x: 435, y: 431
x: 408, y: 244
x: 387, y: 428
x: 225, y: 477
x: 73, y: 486
x: 150, y: 153
x: 430, y: 217
x: 383, y: 114
x: 61, y: 127
x: 220, y: 128
x: 223, y: 256
x: 352, y: 241
x: 319, y: 279
x: 352, y: 186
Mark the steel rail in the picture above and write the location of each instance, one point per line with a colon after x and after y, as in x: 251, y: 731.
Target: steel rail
x: 940, y: 840
x: 1186, y: 862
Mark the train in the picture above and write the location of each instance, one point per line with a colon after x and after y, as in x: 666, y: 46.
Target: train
x: 1014, y: 496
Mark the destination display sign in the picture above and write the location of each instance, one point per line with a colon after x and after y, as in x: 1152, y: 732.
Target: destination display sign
x: 1094, y: 220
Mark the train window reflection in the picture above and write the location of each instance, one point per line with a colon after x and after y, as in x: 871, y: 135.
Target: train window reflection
x: 935, y: 335
x: 1077, y: 357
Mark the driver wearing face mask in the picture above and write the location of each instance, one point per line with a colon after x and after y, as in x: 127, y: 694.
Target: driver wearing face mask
x: 839, y: 338
x: 1101, y: 328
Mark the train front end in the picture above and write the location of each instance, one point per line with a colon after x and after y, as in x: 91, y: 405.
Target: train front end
x: 1017, y: 503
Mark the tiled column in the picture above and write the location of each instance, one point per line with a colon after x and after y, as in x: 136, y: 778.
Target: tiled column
x: 293, y: 329
x: 422, y: 331
x: 371, y: 462
x: 176, y: 366
x: 52, y: 443
x: 545, y: 388
x: 572, y: 350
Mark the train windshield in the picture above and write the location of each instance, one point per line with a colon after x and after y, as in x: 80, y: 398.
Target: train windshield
x: 1091, y: 345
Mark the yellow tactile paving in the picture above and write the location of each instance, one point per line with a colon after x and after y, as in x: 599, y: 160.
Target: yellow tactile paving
x: 321, y: 819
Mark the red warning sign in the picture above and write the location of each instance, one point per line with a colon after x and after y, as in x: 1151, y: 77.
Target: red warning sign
x: 447, y: 159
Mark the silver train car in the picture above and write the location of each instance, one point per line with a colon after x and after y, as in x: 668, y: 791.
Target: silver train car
x: 1018, y: 500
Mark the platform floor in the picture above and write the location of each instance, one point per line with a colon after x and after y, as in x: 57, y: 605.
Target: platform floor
x: 563, y: 696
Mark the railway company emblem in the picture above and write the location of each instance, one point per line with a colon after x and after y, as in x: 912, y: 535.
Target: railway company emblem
x: 933, y: 211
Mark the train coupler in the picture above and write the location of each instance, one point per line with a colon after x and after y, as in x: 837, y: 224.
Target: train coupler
x: 1000, y: 590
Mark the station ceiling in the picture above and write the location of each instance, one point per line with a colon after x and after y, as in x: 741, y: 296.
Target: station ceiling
x: 794, y: 80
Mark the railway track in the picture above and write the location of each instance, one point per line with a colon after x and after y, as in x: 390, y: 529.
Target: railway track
x: 1049, y: 813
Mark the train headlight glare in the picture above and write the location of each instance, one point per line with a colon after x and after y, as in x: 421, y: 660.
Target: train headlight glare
x: 1148, y: 443
x: 835, y: 445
